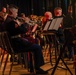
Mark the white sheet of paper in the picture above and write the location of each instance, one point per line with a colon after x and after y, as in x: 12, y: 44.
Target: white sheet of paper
x: 52, y: 24
x: 55, y: 23
x: 47, y: 25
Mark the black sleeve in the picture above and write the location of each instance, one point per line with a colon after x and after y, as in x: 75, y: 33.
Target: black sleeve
x: 23, y: 28
x: 10, y: 27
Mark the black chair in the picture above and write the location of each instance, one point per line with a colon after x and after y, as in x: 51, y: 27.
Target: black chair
x: 6, y: 45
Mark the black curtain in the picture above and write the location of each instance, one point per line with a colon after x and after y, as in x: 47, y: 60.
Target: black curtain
x: 38, y: 7
x: 74, y: 8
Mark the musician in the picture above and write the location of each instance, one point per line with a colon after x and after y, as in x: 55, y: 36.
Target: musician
x: 68, y: 20
x: 63, y: 34
x: 23, y: 16
x: 3, y: 17
x: 4, y: 10
x: 47, y: 16
x: 57, y: 14
x: 68, y: 24
x: 19, y: 44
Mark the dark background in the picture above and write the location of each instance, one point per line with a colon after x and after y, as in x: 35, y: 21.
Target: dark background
x: 38, y: 7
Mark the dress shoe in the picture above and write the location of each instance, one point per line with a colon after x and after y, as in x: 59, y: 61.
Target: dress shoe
x: 40, y: 71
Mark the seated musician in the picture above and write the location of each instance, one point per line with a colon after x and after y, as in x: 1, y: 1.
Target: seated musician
x: 30, y: 34
x: 19, y: 44
x: 47, y: 17
x: 3, y: 17
x: 26, y: 19
x: 61, y: 33
x: 58, y: 13
x: 3, y: 10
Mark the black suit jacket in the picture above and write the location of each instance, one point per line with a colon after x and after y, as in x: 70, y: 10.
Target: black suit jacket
x: 18, y: 43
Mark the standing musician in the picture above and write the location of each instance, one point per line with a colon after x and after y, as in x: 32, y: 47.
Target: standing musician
x: 19, y: 44
x: 68, y: 24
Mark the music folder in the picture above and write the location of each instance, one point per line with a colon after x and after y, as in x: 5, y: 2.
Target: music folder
x: 55, y: 23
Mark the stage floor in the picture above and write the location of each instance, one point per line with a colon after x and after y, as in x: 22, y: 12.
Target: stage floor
x: 19, y: 70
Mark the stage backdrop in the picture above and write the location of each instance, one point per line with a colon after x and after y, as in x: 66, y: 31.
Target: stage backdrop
x: 38, y: 7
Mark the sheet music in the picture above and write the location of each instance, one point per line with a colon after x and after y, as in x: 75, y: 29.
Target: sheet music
x: 52, y: 24
x: 47, y: 25
x: 55, y: 23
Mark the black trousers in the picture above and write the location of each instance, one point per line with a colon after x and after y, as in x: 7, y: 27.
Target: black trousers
x: 22, y: 45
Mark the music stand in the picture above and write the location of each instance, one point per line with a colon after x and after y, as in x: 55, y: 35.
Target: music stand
x: 60, y: 57
x: 54, y: 25
x: 61, y: 51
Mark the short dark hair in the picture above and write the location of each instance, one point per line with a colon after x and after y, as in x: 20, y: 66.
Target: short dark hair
x: 58, y: 8
x: 13, y: 6
x: 22, y: 14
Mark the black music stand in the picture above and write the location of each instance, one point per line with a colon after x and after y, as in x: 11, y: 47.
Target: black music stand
x: 61, y: 51
x: 60, y: 57
x: 45, y: 29
x: 54, y: 25
x: 51, y: 27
